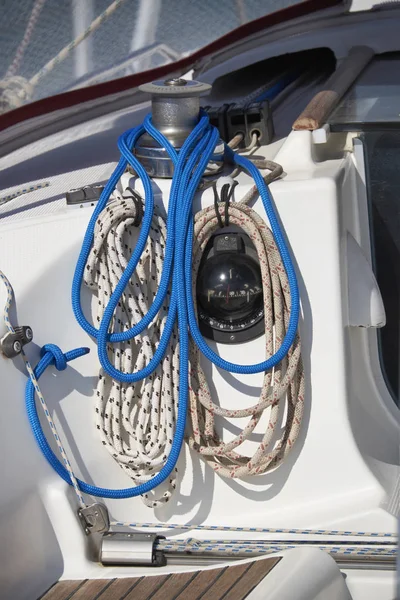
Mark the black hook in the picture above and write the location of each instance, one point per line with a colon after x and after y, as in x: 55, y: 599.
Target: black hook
x: 226, y: 195
x: 138, y: 202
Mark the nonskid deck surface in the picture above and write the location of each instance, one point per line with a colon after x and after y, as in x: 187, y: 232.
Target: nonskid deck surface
x: 233, y: 583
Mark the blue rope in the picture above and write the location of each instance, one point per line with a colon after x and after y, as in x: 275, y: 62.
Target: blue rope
x: 189, y: 166
x: 291, y: 274
x: 272, y: 92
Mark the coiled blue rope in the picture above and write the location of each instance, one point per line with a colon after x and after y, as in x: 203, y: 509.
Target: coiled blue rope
x: 177, y: 264
x: 189, y: 166
x: 198, y: 161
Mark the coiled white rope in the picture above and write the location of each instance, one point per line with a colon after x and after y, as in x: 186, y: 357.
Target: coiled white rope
x: 136, y: 421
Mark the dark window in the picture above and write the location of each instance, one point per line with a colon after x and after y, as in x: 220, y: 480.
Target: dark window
x: 372, y: 106
x: 382, y: 159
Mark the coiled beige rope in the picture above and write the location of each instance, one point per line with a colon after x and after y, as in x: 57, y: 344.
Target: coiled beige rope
x: 284, y: 384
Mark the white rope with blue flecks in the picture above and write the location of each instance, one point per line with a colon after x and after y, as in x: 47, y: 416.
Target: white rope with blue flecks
x: 22, y: 191
x: 280, y: 530
x: 384, y: 548
x: 240, y: 548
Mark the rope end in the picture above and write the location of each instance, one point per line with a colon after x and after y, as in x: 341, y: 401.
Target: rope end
x: 59, y: 358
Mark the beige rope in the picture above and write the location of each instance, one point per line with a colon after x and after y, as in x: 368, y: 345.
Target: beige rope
x: 284, y: 383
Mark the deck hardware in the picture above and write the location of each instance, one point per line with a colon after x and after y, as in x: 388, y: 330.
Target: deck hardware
x: 131, y: 548
x: 246, y: 119
x: 217, y: 116
x: 12, y: 343
x: 89, y: 193
x: 255, y: 117
x: 94, y: 518
x: 175, y: 112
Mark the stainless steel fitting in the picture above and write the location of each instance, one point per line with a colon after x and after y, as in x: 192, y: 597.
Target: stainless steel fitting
x: 175, y: 105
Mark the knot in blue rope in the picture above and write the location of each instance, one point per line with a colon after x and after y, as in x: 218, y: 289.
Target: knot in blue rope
x: 58, y: 358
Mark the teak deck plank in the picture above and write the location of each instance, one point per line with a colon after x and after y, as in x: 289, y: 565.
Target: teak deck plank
x: 147, y: 587
x: 228, y: 583
x: 62, y: 590
x: 119, y: 589
x: 228, y: 577
x: 251, y: 578
x: 173, y: 586
x: 199, y: 584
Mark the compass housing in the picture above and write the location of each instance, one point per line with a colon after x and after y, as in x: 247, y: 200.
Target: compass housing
x: 229, y: 290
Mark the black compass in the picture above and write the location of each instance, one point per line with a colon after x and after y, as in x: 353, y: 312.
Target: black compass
x: 229, y: 290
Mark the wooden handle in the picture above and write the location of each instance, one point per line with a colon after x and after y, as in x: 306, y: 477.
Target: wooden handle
x: 320, y: 107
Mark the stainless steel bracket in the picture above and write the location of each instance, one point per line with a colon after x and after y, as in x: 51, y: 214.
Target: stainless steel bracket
x: 131, y: 548
x: 94, y: 518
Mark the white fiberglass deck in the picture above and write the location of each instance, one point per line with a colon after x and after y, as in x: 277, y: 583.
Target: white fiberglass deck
x: 337, y: 475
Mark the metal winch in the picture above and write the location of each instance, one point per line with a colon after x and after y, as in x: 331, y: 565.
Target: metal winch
x: 175, y: 105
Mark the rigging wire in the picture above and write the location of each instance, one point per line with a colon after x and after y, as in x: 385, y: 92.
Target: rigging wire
x: 30, y: 27
x: 65, y: 52
x: 16, y: 90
